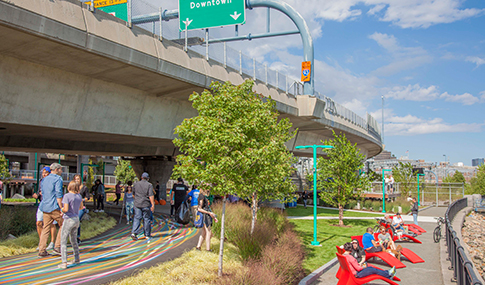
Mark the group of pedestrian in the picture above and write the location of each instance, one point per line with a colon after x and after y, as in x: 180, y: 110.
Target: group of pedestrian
x: 63, y: 209
x: 389, y: 183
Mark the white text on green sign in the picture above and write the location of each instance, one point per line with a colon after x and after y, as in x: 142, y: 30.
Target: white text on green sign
x: 210, y: 13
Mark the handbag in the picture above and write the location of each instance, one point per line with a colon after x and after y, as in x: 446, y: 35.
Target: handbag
x: 199, y: 220
x: 182, y: 214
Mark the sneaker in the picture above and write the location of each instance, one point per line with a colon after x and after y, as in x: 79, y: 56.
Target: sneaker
x: 78, y: 241
x: 95, y: 211
x: 62, y: 266
x: 148, y: 239
x: 133, y: 237
x: 127, y: 222
x: 56, y: 251
x: 44, y: 254
x: 101, y: 211
x: 72, y: 262
x: 392, y: 271
x: 37, y: 249
x: 50, y: 246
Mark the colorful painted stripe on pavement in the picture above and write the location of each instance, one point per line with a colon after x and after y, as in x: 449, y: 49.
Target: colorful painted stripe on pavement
x: 101, y: 257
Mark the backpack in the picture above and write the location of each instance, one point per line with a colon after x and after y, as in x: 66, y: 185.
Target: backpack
x: 199, y: 220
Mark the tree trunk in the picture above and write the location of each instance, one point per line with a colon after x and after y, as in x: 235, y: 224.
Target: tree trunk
x: 254, y: 207
x: 340, y: 215
x: 221, y: 248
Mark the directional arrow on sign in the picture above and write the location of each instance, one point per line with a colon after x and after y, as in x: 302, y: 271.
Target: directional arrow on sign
x: 187, y: 22
x: 235, y: 15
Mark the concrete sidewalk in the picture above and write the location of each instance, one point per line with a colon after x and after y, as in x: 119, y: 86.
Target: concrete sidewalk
x: 426, y: 273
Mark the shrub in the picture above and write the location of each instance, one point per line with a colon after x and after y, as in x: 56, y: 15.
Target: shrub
x: 367, y: 204
x: 351, y: 204
x: 17, y: 220
x: 269, y: 225
x: 376, y: 205
x: 281, y: 262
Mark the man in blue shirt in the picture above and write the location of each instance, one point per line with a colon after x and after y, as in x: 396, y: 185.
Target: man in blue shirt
x: 51, y: 207
x: 194, y: 200
x: 369, y: 242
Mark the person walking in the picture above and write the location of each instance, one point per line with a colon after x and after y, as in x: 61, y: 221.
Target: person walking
x: 118, y: 193
x: 179, y: 191
x: 414, y: 210
x: 71, y: 204
x: 157, y: 192
x: 99, y: 187
x: 1, y: 193
x: 51, y: 206
x: 84, y: 192
x: 304, y: 196
x: 129, y: 202
x: 194, y: 200
x: 40, y: 215
x: 143, y: 198
x: 204, y: 208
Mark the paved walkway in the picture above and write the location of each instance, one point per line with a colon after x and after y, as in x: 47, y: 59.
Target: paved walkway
x: 426, y: 273
x: 104, y: 258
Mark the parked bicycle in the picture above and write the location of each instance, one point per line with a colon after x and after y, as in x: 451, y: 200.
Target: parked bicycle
x: 437, y: 230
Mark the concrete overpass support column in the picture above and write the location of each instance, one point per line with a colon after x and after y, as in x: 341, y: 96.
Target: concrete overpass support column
x: 32, y: 162
x: 81, y: 159
x: 159, y: 169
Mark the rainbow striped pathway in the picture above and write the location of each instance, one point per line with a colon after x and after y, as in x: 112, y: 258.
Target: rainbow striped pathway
x: 101, y: 257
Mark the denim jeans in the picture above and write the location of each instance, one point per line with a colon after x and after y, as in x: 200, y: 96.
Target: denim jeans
x: 69, y: 229
x: 415, y: 217
x: 371, y: 270
x: 129, y: 211
x: 81, y: 214
x: 140, y: 213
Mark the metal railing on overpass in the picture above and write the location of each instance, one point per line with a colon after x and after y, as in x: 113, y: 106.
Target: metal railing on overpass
x: 230, y: 58
x: 463, y: 272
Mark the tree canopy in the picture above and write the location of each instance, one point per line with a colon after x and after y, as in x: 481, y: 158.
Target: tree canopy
x: 457, y: 177
x: 124, y: 172
x: 339, y: 177
x: 477, y: 183
x: 4, y: 171
x: 404, y: 175
x: 236, y: 145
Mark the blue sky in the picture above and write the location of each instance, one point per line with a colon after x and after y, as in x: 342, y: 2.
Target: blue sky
x: 426, y: 57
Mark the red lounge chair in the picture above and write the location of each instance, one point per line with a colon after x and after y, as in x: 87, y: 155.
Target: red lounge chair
x: 416, y: 227
x: 340, y: 271
x: 384, y: 256
x: 411, y: 227
x: 409, y: 237
x: 409, y: 254
x: 347, y: 278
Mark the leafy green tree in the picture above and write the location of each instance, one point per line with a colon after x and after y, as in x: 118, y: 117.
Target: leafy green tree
x: 404, y: 175
x: 90, y: 176
x: 236, y: 145
x: 4, y: 172
x: 477, y: 183
x: 339, y: 176
x: 124, y: 172
x: 457, y: 177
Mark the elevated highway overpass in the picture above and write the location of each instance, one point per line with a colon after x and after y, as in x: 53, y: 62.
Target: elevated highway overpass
x: 76, y: 81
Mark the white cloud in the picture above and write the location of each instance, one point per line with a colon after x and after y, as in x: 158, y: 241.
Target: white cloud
x: 482, y: 96
x: 465, y: 99
x: 376, y: 9
x: 404, y: 58
x: 476, y: 60
x: 410, y: 125
x: 413, y: 93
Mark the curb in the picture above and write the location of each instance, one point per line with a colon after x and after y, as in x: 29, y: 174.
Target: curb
x: 319, y: 272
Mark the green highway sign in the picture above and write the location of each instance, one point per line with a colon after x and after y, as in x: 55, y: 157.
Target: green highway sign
x: 199, y: 14
x: 116, y: 8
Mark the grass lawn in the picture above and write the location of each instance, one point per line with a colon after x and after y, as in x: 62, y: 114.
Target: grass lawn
x: 329, y: 236
x: 97, y: 224
x: 301, y: 211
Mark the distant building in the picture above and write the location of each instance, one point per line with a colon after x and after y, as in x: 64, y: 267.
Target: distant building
x: 478, y: 161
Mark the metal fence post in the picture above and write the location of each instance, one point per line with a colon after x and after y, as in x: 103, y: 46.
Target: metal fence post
x: 160, y: 20
x: 129, y: 7
x: 449, y: 186
x: 286, y: 84
x: 277, y: 76
x: 463, y: 190
x: 240, y: 61
x: 225, y: 55
x: 266, y: 73
x: 254, y: 69
x: 437, y: 202
x: 207, y: 44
